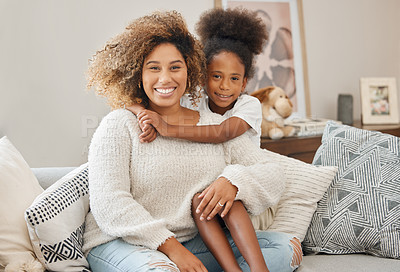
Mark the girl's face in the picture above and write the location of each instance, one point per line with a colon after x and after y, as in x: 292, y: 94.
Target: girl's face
x: 164, y: 76
x: 225, y: 81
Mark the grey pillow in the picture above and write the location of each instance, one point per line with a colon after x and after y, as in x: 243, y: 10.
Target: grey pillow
x: 360, y: 212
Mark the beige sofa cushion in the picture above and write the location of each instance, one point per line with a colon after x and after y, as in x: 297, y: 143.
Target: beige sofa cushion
x: 19, y: 187
x: 305, y: 186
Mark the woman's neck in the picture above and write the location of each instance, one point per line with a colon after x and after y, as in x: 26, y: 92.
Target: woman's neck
x: 166, y: 111
x: 176, y: 115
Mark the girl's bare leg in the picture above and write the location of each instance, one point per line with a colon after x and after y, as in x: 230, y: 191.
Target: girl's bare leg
x: 239, y: 224
x: 214, y: 237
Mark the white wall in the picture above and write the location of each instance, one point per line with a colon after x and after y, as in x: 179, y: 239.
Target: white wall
x: 346, y: 40
x: 45, y: 46
x: 44, y: 50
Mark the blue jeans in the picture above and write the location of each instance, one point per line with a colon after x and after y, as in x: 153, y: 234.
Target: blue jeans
x: 119, y: 256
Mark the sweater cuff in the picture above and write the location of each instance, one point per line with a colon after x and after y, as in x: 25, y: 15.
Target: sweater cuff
x: 233, y: 173
x: 151, y: 240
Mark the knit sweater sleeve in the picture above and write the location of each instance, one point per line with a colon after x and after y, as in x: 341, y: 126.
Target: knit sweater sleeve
x: 115, y: 210
x: 260, y: 181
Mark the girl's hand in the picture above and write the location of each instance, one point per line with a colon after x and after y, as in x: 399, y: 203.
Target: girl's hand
x: 149, y: 133
x: 216, y: 197
x: 182, y: 257
x: 148, y: 117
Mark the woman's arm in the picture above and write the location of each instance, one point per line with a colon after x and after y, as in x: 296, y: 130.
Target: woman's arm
x: 115, y: 210
x: 258, y: 181
x: 227, y: 130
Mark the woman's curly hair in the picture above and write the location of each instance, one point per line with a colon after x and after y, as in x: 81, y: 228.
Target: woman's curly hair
x: 237, y: 30
x: 116, y: 70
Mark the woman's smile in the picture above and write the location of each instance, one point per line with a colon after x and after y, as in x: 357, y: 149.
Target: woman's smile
x: 165, y: 90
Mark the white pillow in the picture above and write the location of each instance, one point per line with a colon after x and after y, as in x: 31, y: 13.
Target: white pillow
x: 305, y: 186
x: 19, y: 187
x: 56, y: 222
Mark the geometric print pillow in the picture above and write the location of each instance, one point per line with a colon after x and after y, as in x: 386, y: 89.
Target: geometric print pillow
x: 360, y: 212
x: 56, y: 222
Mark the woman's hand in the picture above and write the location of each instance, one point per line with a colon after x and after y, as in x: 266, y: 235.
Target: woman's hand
x: 182, y: 257
x: 219, y: 195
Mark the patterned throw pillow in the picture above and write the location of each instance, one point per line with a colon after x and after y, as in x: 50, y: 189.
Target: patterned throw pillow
x: 360, y: 212
x: 56, y: 222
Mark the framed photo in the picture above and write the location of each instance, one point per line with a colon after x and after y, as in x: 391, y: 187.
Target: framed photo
x: 283, y: 60
x: 379, y: 100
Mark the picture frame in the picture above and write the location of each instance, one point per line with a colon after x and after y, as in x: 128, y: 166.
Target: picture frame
x: 379, y: 100
x: 283, y: 62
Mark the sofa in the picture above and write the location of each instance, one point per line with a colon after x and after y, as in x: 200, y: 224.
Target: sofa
x: 311, y: 262
x: 342, y: 230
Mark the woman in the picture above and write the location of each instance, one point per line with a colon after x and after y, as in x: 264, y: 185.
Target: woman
x: 140, y: 194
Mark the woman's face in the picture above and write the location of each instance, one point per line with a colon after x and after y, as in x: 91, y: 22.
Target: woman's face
x: 225, y: 81
x: 164, y: 76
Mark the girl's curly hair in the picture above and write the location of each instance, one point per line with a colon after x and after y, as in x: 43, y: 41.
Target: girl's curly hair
x: 116, y: 70
x: 237, y: 30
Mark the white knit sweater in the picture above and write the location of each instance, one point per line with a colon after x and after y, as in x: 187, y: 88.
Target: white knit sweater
x: 142, y: 192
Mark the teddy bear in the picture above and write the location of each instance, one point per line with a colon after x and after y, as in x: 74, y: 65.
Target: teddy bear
x: 276, y: 107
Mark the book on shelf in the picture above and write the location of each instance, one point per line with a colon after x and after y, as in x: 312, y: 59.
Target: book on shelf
x: 308, y: 126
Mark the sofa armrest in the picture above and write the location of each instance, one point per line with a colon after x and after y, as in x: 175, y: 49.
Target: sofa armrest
x: 48, y: 175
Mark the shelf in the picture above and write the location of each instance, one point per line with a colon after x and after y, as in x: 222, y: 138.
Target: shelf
x: 304, y: 148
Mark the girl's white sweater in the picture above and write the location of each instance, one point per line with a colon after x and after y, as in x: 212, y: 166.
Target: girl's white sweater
x: 142, y: 192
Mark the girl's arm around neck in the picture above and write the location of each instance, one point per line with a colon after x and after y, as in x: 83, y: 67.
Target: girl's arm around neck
x: 227, y: 130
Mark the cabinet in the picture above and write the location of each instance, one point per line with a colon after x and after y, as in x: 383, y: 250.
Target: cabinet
x: 304, y: 148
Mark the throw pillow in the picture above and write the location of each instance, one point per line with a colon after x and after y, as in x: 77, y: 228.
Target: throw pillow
x: 19, y: 187
x: 305, y: 186
x: 360, y: 212
x: 56, y: 222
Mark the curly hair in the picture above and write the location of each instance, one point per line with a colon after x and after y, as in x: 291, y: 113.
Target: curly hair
x: 116, y: 71
x: 237, y: 30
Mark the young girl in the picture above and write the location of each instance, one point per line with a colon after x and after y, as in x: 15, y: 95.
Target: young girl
x: 231, y: 39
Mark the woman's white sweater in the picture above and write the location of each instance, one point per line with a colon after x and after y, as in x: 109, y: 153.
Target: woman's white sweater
x: 142, y: 192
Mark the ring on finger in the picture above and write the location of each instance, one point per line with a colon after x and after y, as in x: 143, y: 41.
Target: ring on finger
x: 221, y: 205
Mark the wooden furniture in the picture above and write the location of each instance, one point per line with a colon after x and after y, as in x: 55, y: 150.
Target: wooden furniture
x: 304, y: 148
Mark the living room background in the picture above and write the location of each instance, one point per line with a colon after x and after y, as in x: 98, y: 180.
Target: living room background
x: 45, y: 46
